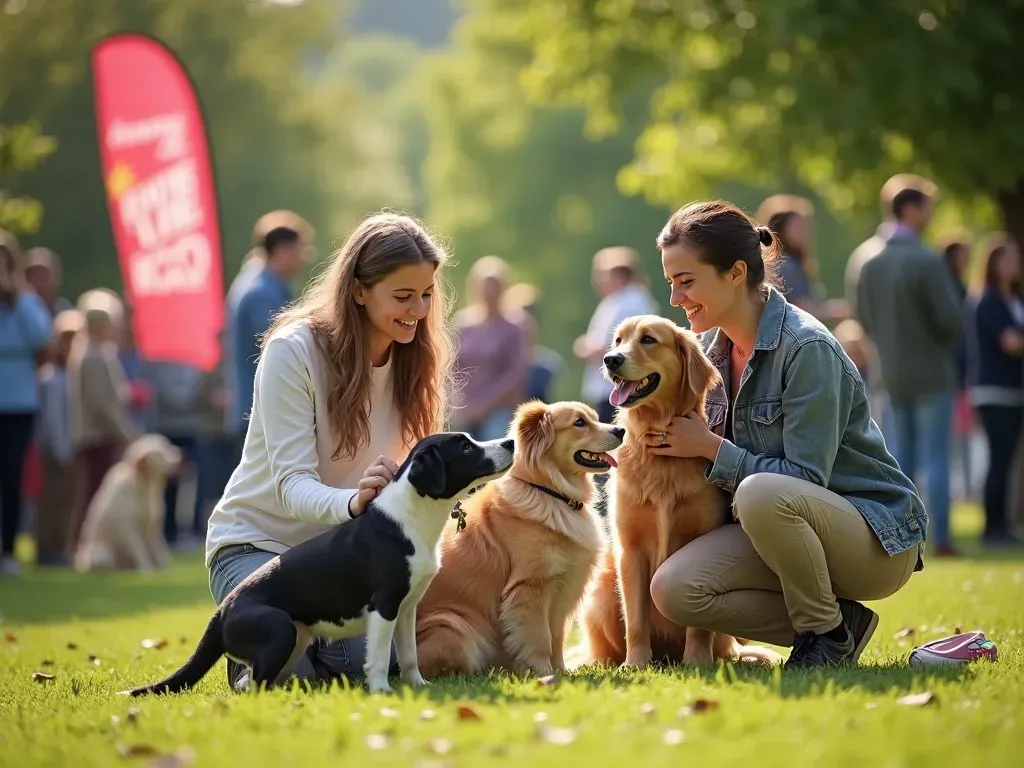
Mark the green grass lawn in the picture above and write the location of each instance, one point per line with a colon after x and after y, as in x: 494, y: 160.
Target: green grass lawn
x: 88, y: 633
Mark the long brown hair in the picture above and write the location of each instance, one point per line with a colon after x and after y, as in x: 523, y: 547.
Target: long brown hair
x: 420, y: 370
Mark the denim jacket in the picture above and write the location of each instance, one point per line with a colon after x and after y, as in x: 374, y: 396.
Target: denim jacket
x: 801, y: 410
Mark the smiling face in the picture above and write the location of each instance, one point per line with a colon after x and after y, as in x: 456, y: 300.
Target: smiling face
x: 397, y: 304
x: 708, y: 298
x: 655, y: 362
x: 567, y: 438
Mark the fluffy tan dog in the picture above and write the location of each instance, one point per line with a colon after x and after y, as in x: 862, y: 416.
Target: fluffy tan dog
x: 510, y: 581
x: 123, y: 526
x: 657, y: 504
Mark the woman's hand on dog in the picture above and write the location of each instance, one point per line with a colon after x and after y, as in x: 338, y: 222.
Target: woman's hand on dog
x: 685, y: 437
x: 376, y: 476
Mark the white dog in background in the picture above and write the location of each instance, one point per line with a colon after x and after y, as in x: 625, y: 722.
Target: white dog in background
x: 123, y: 526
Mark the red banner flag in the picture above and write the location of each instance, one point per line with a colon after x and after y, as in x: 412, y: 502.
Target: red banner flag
x: 161, y: 197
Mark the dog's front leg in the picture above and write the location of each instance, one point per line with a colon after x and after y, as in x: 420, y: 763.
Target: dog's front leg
x: 405, y: 642
x: 379, y: 633
x: 558, y: 648
x: 635, y: 586
x: 141, y: 559
x: 698, y: 647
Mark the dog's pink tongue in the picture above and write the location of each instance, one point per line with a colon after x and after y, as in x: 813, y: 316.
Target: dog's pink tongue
x: 622, y: 392
x: 608, y: 459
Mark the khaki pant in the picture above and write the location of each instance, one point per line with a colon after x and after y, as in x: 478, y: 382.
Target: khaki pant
x: 798, y: 546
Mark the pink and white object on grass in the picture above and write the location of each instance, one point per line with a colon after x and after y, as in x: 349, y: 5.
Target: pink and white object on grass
x: 961, y: 648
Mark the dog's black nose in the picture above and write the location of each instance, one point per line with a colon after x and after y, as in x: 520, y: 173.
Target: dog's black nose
x: 619, y: 432
x: 509, y: 444
x: 613, y: 362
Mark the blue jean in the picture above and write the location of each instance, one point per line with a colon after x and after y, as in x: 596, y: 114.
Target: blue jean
x: 924, y: 428
x: 323, y: 661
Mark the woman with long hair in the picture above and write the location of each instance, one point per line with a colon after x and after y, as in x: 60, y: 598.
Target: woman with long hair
x: 995, y: 379
x: 348, y: 379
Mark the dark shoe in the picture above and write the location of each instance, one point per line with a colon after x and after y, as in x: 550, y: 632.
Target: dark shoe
x: 811, y: 650
x: 861, y: 621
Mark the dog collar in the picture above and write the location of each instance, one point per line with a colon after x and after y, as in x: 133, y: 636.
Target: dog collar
x: 573, y: 503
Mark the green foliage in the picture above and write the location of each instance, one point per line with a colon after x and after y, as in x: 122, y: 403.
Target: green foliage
x: 504, y: 177
x: 22, y: 148
x: 280, y: 136
x: 839, y: 94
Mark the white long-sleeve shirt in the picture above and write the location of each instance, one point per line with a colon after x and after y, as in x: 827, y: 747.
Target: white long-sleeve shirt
x: 287, y: 488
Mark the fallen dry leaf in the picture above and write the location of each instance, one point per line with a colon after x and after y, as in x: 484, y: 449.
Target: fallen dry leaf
x: 95, y: 659
x: 72, y: 646
x: 698, y: 705
x: 132, y: 714
x: 138, y: 750
x: 673, y: 736
x: 391, y: 714
x: 547, y: 680
x: 647, y: 709
x: 467, y: 713
x: 428, y: 714
x: 440, y: 746
x: 904, y: 633
x: 957, y: 630
x: 376, y: 741
x: 871, y: 705
x: 42, y: 677
x: 115, y: 720
x: 10, y: 637
x: 553, y: 735
x: 918, y: 699
x: 540, y: 717
x: 154, y: 642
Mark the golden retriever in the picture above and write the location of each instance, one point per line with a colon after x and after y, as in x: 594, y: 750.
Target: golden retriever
x: 512, y: 578
x: 657, y: 504
x: 123, y: 526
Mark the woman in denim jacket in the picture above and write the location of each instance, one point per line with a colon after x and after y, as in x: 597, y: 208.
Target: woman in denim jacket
x: 826, y: 517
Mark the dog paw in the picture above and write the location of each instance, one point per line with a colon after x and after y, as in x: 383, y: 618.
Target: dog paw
x: 638, y: 658
x: 415, y: 679
x: 379, y: 686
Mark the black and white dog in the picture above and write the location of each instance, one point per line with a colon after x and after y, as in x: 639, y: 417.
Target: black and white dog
x: 365, y: 576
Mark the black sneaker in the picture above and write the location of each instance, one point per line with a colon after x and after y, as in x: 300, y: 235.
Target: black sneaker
x: 861, y: 621
x: 811, y: 650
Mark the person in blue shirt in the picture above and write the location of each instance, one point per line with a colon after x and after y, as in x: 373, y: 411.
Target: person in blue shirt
x: 264, y: 293
x: 24, y: 334
x: 995, y: 379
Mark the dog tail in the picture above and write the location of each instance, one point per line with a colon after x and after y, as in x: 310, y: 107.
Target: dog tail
x: 206, y: 654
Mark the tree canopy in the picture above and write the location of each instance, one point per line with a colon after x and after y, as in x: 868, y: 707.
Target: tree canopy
x: 838, y: 94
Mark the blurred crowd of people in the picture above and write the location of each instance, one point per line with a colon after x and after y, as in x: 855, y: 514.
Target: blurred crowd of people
x: 941, y: 357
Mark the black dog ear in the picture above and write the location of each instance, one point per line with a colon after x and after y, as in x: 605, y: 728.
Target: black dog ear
x: 426, y: 473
